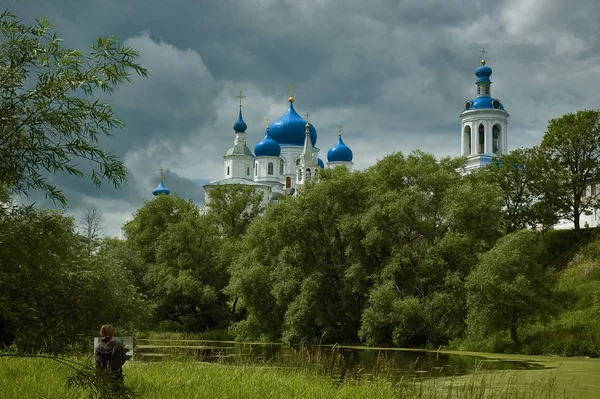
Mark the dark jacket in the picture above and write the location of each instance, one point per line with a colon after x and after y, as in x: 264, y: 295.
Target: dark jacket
x: 110, y: 356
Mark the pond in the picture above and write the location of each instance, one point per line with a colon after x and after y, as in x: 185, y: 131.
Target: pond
x: 336, y: 361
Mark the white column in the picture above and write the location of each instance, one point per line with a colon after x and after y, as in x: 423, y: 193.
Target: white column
x: 488, y: 137
x: 474, y: 137
x: 505, y: 137
x: 462, y: 140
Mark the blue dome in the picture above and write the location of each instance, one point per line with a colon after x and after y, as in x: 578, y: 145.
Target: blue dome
x: 484, y: 103
x: 240, y: 126
x: 290, y: 129
x: 161, y: 189
x: 483, y: 74
x: 267, y: 147
x: 339, y: 152
x: 321, y: 163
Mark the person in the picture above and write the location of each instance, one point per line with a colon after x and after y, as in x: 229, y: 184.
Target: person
x: 109, y: 354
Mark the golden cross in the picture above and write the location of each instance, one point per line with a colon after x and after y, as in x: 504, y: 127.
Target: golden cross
x: 340, y: 130
x: 268, y: 120
x: 483, y: 51
x: 240, y: 98
x: 162, y: 171
x: 307, y: 115
x: 291, y: 90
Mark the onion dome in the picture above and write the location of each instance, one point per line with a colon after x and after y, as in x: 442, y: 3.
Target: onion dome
x: 483, y: 100
x: 483, y: 103
x: 267, y: 147
x: 161, y: 189
x: 340, y: 152
x: 320, y: 163
x: 289, y: 128
x: 483, y: 73
x: 240, y: 126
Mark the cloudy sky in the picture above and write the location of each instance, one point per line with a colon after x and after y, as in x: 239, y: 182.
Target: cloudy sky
x: 395, y: 74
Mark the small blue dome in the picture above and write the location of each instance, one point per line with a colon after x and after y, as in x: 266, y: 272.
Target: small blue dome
x: 339, y: 152
x: 483, y: 74
x: 290, y: 129
x: 321, y: 163
x: 484, y: 103
x: 161, y: 189
x: 240, y: 126
x: 267, y: 147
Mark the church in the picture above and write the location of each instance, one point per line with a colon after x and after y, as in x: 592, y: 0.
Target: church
x: 287, y: 157
x: 283, y: 161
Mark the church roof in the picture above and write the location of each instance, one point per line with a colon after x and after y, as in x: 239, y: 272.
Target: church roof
x: 483, y: 99
x: 239, y: 149
x: 483, y: 103
x: 289, y: 128
x: 161, y: 189
x: 234, y: 181
x: 240, y: 126
x: 340, y: 152
x: 267, y: 147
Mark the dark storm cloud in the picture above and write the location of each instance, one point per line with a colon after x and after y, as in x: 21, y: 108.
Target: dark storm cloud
x: 396, y: 74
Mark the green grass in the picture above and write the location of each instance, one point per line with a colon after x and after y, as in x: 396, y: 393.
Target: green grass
x: 576, y: 376
x: 43, y: 378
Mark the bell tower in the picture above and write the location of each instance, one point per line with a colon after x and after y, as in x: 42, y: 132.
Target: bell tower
x: 484, y: 123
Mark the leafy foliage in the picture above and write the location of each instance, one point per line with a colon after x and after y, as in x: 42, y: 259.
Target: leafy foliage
x: 367, y: 251
x: 51, y: 115
x: 570, y: 162
x: 234, y: 208
x: 51, y: 293
x: 518, y: 174
x: 508, y: 288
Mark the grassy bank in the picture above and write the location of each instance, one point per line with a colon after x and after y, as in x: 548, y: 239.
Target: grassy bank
x: 42, y: 378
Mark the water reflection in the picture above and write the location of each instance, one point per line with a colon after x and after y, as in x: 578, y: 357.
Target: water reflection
x: 338, y: 362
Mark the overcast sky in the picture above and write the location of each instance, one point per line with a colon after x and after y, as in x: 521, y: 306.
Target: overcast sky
x: 395, y: 74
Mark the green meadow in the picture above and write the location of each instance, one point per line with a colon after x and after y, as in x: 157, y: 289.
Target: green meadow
x: 560, y: 378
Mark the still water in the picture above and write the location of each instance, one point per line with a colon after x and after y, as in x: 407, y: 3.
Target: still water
x: 331, y: 360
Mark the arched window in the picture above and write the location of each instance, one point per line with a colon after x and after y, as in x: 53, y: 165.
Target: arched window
x: 255, y: 169
x: 281, y: 164
x: 307, y: 174
x: 288, y: 182
x: 297, y: 161
x: 481, y: 139
x: 300, y: 175
x: 496, y: 139
x: 270, y: 168
x: 248, y: 171
x: 487, y: 90
x: 478, y: 90
x: 228, y: 171
x: 467, y: 140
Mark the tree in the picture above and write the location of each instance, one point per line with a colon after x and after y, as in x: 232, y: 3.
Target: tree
x: 234, y: 207
x: 378, y: 254
x: 187, y: 280
x: 295, y: 275
x: 570, y: 153
x: 420, y: 227
x: 508, y: 287
x: 51, y: 292
x: 152, y: 219
x: 52, y: 117
x: 91, y: 224
x: 518, y: 176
